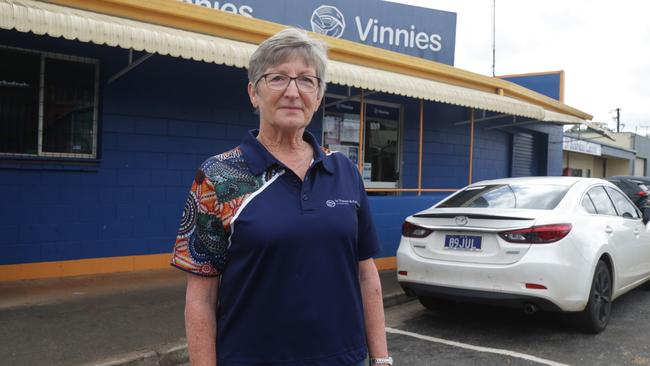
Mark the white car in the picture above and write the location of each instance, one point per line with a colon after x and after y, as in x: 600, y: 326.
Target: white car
x: 550, y: 243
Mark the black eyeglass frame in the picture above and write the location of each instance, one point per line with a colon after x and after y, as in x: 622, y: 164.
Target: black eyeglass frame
x: 291, y: 78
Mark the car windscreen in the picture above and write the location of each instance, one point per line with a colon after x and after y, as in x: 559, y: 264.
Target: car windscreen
x: 524, y: 196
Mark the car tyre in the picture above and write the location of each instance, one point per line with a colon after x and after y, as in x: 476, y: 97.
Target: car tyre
x: 595, y: 316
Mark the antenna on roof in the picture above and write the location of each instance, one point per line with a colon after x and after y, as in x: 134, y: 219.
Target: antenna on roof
x: 494, y: 36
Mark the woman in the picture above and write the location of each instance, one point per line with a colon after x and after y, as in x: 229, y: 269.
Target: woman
x: 278, y: 235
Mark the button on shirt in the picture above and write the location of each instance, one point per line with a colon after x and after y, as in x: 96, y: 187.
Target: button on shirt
x: 288, y: 252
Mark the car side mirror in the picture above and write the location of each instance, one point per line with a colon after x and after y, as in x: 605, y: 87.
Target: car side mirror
x: 646, y: 214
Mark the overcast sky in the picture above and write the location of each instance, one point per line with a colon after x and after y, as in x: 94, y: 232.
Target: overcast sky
x: 602, y: 46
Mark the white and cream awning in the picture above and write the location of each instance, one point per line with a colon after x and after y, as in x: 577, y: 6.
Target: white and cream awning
x: 74, y: 24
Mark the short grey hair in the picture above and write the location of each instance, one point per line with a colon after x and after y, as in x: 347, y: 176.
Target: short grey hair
x: 284, y: 45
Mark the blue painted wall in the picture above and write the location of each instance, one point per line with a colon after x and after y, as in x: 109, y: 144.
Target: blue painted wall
x: 157, y: 124
x: 389, y: 214
x: 492, y: 153
x: 549, y: 84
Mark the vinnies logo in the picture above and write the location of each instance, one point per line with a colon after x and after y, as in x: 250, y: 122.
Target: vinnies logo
x: 328, y: 20
x: 340, y: 202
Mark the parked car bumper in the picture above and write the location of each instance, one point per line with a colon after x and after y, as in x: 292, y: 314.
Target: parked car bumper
x: 558, y: 266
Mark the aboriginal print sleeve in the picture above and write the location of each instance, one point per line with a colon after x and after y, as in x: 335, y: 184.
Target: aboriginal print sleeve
x: 221, y: 185
x: 200, y: 246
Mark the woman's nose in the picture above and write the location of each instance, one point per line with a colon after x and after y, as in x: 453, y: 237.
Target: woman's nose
x: 292, y: 89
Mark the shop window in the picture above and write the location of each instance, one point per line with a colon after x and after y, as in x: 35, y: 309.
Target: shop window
x: 48, y: 105
x: 341, y: 132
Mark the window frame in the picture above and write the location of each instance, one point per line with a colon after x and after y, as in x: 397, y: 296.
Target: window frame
x: 602, y: 187
x: 362, y: 154
x: 626, y: 199
x: 43, y: 55
x: 587, y: 197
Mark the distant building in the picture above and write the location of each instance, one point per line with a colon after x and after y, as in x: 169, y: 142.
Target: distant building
x: 596, y: 154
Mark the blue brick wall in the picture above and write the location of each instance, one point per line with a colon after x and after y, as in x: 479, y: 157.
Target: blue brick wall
x: 165, y: 118
x: 492, y: 153
x: 158, y: 123
x: 389, y: 213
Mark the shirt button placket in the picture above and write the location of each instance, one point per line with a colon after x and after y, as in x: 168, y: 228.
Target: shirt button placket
x: 305, y: 193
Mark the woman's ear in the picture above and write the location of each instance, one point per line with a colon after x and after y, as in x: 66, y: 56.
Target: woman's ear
x: 252, y: 94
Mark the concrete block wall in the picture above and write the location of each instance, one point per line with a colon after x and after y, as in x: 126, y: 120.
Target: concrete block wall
x: 492, y: 154
x: 389, y: 213
x: 161, y: 122
x: 157, y: 124
x: 445, y: 146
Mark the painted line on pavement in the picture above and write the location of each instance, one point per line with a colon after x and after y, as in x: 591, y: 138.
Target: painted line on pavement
x: 476, y: 348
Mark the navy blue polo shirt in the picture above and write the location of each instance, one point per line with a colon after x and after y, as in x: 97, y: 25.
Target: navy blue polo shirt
x: 288, y: 253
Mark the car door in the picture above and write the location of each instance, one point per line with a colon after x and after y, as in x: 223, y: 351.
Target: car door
x: 620, y: 238
x: 637, y: 246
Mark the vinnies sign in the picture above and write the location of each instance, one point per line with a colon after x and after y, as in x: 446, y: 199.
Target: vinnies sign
x: 421, y: 32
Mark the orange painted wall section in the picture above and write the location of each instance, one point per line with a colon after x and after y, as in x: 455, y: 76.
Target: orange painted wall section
x: 30, y: 271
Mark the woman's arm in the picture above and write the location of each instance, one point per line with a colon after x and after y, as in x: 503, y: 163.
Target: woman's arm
x: 373, y: 309
x: 200, y: 322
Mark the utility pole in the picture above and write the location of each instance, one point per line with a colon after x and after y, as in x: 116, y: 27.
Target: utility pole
x: 618, y: 120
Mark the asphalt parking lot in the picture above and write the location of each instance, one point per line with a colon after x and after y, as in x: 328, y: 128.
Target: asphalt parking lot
x: 478, y: 335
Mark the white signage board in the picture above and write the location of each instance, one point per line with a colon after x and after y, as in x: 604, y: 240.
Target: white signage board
x: 581, y: 146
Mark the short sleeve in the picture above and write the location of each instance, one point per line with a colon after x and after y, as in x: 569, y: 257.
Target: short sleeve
x: 368, y: 240
x: 201, y: 242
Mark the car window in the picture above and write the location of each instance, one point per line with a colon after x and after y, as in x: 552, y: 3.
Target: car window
x: 604, y: 205
x: 624, y: 207
x: 588, y: 205
x: 525, y: 196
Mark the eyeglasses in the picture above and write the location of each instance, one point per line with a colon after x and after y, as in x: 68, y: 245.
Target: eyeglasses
x: 304, y: 83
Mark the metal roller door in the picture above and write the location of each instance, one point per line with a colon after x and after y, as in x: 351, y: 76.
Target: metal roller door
x: 528, y: 154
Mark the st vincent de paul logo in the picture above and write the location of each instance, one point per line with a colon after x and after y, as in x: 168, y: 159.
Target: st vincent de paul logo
x: 328, y: 20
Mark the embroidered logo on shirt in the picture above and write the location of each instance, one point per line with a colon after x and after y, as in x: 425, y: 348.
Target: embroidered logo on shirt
x: 341, y: 202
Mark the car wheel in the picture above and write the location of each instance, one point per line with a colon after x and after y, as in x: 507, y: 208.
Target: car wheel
x: 435, y: 304
x: 596, y: 315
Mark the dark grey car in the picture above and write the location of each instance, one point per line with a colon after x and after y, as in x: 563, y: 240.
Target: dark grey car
x: 637, y: 188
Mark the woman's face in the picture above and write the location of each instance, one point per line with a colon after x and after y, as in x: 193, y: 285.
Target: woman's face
x: 288, y: 109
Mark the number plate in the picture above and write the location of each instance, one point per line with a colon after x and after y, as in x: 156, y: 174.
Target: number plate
x: 463, y: 242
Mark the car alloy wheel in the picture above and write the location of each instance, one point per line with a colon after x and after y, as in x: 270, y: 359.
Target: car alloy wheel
x: 596, y: 315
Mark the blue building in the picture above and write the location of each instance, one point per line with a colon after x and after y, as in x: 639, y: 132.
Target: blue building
x: 108, y: 107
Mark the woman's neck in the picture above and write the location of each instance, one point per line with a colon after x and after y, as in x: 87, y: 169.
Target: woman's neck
x: 280, y: 141
x: 290, y: 149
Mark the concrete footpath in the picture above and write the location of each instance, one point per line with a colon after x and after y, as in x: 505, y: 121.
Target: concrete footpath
x: 124, y: 319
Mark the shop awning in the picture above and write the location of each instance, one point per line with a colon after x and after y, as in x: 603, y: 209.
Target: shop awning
x: 394, y: 83
x: 59, y: 21
x: 74, y: 24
